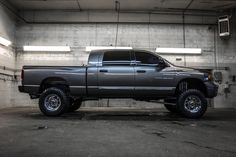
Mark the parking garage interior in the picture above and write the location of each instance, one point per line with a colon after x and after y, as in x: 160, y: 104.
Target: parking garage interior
x: 117, y: 127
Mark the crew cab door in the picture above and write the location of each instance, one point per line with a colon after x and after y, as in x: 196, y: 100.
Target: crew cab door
x: 151, y: 80
x: 116, y: 75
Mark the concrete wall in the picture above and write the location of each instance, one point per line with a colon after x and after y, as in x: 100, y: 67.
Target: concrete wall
x: 226, y: 57
x: 7, y: 59
x: 142, y: 36
x: 7, y: 31
x: 111, y: 16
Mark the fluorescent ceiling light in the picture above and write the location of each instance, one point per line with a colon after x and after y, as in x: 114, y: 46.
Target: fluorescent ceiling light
x: 5, y: 52
x: 90, y: 48
x: 179, y: 50
x: 47, y: 48
x: 5, y: 42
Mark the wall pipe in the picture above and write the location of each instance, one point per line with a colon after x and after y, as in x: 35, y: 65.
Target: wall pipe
x: 117, y: 7
x: 183, y: 16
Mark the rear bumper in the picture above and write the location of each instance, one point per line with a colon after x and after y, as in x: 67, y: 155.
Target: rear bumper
x: 21, y: 89
x: 211, y: 89
x: 31, y: 89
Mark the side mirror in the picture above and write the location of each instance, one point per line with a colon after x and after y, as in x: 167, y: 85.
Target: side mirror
x: 162, y: 63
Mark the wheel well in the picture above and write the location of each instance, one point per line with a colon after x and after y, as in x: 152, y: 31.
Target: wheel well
x: 54, y: 82
x: 190, y: 83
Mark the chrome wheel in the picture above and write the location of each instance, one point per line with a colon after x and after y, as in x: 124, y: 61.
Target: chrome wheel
x: 52, y: 102
x: 193, y: 104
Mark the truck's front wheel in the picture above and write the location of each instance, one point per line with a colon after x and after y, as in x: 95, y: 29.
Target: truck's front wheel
x: 53, y: 102
x: 192, y: 103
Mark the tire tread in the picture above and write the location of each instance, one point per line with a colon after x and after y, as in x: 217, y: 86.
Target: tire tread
x: 187, y: 114
x: 64, y: 99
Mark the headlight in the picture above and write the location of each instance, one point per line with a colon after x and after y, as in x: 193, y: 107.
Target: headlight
x: 207, y: 77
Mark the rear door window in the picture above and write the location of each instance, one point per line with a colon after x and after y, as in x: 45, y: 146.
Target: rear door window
x: 116, y: 58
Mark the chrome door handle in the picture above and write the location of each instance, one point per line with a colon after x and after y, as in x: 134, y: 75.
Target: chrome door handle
x: 103, y: 71
x: 141, y: 71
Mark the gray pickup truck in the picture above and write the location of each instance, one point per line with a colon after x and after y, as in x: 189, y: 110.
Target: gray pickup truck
x: 136, y: 74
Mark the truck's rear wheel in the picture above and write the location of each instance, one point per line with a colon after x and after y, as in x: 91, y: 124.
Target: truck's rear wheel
x: 171, y: 107
x: 192, y: 104
x: 75, y: 105
x: 53, y: 102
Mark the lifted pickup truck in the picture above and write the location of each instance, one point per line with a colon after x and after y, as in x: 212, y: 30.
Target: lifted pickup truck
x: 136, y: 74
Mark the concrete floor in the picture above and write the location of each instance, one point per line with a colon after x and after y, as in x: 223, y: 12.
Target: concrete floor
x: 26, y: 132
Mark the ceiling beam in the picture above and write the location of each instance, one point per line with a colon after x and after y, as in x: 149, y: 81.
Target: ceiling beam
x: 12, y: 9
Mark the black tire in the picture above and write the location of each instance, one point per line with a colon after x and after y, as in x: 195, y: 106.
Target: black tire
x: 187, y: 104
x: 171, y: 108
x: 75, y: 105
x: 57, y: 96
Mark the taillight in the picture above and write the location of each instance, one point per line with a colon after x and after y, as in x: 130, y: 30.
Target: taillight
x: 22, y: 74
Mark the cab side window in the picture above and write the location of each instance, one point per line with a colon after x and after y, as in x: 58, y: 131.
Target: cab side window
x: 143, y: 58
x: 116, y: 58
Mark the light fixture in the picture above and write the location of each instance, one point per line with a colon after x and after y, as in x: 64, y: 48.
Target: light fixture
x: 5, y: 42
x: 47, y: 48
x: 90, y: 48
x: 5, y: 52
x: 179, y: 50
x: 223, y: 25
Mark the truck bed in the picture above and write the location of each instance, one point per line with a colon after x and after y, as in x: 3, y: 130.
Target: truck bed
x: 34, y: 76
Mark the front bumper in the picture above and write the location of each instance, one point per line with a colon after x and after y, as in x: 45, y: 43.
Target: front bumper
x: 211, y: 89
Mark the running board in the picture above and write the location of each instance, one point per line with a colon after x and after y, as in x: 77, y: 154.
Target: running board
x: 162, y: 102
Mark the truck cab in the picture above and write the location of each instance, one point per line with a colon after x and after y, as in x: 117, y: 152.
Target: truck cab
x: 128, y: 73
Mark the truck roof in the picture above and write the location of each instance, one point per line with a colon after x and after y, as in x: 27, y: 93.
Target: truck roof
x: 94, y: 57
x: 105, y: 50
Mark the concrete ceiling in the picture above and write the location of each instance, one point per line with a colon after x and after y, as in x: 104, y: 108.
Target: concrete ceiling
x: 137, y: 5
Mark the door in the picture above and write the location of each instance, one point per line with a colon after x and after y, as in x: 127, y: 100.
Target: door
x: 116, y: 75
x: 151, y: 79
